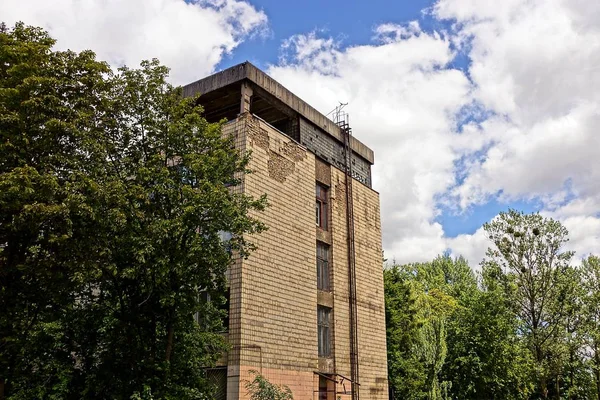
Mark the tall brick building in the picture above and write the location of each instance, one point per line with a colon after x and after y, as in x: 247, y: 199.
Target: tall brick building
x: 307, y: 308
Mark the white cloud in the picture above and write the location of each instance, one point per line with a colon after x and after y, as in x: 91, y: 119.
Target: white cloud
x: 531, y: 92
x: 390, y: 33
x: 584, y: 235
x: 532, y: 88
x: 471, y: 247
x: 191, y: 37
x: 402, y: 99
x: 535, y: 64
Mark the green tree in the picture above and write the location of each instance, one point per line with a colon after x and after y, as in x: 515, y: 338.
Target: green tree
x: 590, y: 283
x: 437, y: 308
x: 486, y: 359
x: 406, y: 372
x: 419, y: 304
x: 575, y: 380
x: 528, y: 248
x: 113, y: 197
x: 260, y: 388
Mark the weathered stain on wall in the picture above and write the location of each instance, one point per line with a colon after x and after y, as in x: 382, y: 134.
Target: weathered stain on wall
x: 322, y: 172
x: 258, y: 137
x: 332, y: 151
x: 293, y: 151
x: 279, y: 166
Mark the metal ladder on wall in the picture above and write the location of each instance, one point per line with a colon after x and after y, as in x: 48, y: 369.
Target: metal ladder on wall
x: 342, y: 120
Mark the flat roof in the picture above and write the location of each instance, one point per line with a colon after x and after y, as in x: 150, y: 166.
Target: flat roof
x: 247, y: 71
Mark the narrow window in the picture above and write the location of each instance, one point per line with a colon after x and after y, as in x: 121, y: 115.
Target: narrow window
x: 323, y: 267
x: 323, y: 388
x: 220, y: 305
x: 321, y: 206
x: 226, y: 240
x: 324, y: 330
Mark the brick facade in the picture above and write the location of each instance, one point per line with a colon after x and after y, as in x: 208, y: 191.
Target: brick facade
x: 274, y: 296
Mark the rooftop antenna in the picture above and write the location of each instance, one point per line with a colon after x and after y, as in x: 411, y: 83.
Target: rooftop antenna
x: 337, y: 113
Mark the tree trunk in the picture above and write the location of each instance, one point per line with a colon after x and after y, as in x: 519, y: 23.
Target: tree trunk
x: 598, y: 382
x: 169, y: 350
x: 597, y: 371
x: 544, y: 388
x: 543, y: 384
x: 597, y: 368
x: 2, y: 389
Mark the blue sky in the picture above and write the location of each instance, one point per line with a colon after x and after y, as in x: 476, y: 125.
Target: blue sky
x: 351, y: 22
x: 471, y: 107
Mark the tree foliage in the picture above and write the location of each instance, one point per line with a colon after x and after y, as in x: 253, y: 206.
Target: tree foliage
x: 590, y: 286
x: 526, y: 326
x: 529, y: 249
x: 113, y: 197
x: 419, y: 305
x: 259, y: 388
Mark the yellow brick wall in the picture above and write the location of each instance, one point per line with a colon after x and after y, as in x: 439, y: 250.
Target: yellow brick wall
x: 369, y: 287
x: 237, y: 129
x: 279, y: 297
x: 273, y: 324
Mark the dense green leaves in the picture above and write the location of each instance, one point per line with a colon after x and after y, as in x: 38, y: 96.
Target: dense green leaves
x: 590, y: 315
x: 259, y: 388
x: 113, y: 199
x: 525, y: 327
x: 419, y: 305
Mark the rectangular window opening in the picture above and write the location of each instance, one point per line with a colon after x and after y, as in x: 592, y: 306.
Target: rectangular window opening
x: 324, y: 330
x: 323, y: 388
x: 321, y: 206
x: 221, y: 306
x: 217, y: 380
x: 323, y: 271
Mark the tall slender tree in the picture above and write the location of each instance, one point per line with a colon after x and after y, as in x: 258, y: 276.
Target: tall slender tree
x: 486, y: 359
x: 406, y: 372
x: 590, y: 273
x: 530, y: 250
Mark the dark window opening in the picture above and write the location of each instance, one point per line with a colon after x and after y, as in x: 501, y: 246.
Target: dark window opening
x: 323, y: 273
x: 224, y: 308
x: 323, y: 388
x: 321, y: 206
x: 226, y: 238
x: 324, y: 330
x: 222, y: 305
x: 289, y: 126
x: 217, y: 380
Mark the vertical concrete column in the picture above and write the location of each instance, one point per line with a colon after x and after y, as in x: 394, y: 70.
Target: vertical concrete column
x: 246, y: 97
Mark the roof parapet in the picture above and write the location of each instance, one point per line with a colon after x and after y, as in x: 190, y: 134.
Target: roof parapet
x: 247, y: 71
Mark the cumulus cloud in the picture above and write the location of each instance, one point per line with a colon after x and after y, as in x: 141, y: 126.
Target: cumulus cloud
x: 518, y: 123
x: 471, y: 246
x: 402, y: 98
x: 190, y: 37
x: 537, y: 69
x: 535, y: 65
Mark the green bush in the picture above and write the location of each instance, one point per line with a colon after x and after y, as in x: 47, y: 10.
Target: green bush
x: 261, y: 389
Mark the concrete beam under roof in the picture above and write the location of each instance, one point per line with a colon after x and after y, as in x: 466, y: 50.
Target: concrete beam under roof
x: 247, y: 71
